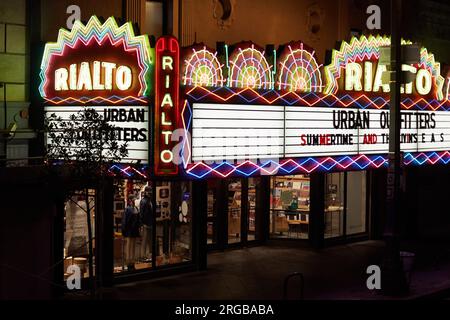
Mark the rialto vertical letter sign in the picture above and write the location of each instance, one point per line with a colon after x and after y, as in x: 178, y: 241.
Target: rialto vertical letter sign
x: 166, y: 104
x: 105, y: 67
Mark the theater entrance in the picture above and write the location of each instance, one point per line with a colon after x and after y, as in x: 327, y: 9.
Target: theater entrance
x: 234, y: 217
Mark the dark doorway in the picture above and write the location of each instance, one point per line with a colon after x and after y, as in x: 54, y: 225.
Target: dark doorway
x: 234, y: 212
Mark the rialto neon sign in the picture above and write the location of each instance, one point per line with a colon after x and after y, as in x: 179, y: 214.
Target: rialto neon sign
x: 355, y: 67
x: 89, y: 77
x: 362, y: 77
x: 299, y: 122
x: 104, y: 67
x: 167, y: 103
x: 97, y: 63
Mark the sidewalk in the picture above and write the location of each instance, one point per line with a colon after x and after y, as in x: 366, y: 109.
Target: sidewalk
x: 258, y: 273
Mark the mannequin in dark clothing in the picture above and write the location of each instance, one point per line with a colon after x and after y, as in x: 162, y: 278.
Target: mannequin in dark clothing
x: 146, y: 215
x: 130, y: 231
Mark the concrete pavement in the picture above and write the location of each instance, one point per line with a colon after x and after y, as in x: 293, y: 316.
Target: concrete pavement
x: 257, y: 273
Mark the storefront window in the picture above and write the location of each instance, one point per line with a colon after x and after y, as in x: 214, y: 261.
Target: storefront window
x: 356, y: 202
x: 137, y: 218
x: 334, y: 205
x: 76, y: 234
x: 252, y: 216
x: 234, y: 210
x: 290, y: 207
x: 212, y: 212
x: 133, y: 224
x: 173, y: 222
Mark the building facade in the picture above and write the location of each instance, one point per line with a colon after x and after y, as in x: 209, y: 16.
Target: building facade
x: 249, y: 134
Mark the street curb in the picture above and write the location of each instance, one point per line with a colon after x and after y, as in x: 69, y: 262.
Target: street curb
x: 443, y: 292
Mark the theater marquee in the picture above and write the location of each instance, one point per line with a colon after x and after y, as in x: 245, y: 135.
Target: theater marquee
x: 240, y: 132
x: 251, y: 111
x: 105, y: 67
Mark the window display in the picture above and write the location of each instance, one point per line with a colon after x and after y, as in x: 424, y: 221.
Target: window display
x: 234, y: 211
x: 173, y: 222
x: 140, y: 222
x: 133, y: 221
x: 76, y: 235
x: 252, y: 185
x: 289, y: 204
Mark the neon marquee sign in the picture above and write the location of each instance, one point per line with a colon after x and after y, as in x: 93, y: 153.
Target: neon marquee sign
x: 166, y: 103
x: 298, y: 69
x: 202, y: 68
x: 97, y: 63
x: 280, y: 117
x: 355, y: 67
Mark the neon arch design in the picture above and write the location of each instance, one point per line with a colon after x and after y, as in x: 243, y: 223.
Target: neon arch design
x: 203, y: 68
x: 248, y: 68
x: 99, y: 32
x: 298, y: 70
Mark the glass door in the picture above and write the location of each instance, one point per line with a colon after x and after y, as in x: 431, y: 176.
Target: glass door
x: 252, y: 216
x: 234, y: 214
x: 289, y: 203
x: 345, y: 204
x: 212, y: 213
x: 334, y: 205
x: 356, y: 219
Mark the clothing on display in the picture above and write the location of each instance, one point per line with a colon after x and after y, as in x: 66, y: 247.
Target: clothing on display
x: 130, y: 222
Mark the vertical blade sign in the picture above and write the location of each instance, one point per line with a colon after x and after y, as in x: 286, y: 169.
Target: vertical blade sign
x: 166, y: 104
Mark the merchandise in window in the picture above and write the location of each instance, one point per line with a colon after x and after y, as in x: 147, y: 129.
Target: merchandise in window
x: 289, y: 204
x: 133, y: 211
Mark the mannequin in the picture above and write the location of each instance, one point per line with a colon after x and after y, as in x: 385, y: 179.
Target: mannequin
x: 145, y: 211
x: 130, y: 231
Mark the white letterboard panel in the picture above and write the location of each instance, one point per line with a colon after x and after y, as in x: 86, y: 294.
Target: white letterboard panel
x: 228, y: 132
x: 236, y: 132
x: 132, y: 123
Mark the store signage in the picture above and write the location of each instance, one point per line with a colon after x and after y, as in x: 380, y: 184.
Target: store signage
x: 131, y: 126
x: 166, y: 104
x: 356, y: 67
x: 224, y: 132
x: 105, y: 67
x: 96, y: 63
x: 89, y: 77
